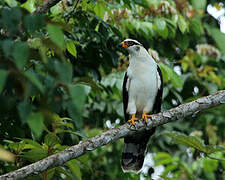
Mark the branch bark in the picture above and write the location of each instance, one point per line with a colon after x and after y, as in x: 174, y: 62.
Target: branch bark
x: 112, y: 135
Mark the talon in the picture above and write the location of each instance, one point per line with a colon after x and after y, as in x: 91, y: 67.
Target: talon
x: 133, y: 118
x: 146, y: 116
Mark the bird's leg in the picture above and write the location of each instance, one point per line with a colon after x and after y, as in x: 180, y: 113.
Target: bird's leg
x: 146, y: 116
x: 133, y: 118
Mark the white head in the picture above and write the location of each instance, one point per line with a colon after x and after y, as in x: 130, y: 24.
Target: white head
x: 134, y: 47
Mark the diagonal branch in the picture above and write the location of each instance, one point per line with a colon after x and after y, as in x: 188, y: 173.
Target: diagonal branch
x: 112, y: 135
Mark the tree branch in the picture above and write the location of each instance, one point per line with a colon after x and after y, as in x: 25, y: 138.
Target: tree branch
x: 112, y: 135
x: 45, y: 6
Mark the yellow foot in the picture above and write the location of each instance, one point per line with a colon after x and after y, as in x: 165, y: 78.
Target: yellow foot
x: 146, y: 116
x: 133, y: 118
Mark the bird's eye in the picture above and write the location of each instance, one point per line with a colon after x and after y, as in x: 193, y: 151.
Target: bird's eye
x: 130, y: 43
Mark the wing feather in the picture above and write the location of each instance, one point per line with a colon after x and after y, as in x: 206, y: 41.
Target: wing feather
x: 158, y: 99
x: 125, y: 96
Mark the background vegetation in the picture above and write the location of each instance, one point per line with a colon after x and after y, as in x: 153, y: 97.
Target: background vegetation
x: 61, y: 75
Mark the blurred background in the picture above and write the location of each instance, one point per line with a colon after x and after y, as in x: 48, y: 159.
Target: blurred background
x: 61, y: 75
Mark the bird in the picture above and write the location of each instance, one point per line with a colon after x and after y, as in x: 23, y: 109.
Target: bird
x: 142, y: 96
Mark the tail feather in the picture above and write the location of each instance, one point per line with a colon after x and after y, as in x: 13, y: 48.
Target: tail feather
x: 134, y: 151
x: 131, y: 161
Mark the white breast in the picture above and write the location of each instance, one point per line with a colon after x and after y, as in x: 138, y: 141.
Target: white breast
x: 142, y: 86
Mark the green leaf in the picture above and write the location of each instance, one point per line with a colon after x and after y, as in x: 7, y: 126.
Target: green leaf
x: 164, y: 74
x: 190, y: 141
x: 164, y: 162
x: 87, y: 5
x: 73, y: 165
x: 210, y: 165
x: 78, y: 95
x: 10, y: 19
x: 33, y: 23
x: 3, y: 75
x: 35, y: 154
x: 74, y: 114
x: 182, y: 24
x: 29, y: 5
x: 169, y: 168
x: 146, y: 28
x: 143, y: 3
x: 7, y: 46
x: 84, y: 159
x: 75, y: 107
x: 113, y: 79
x: 217, y: 36
x: 50, y: 174
x: 56, y: 35
x: 65, y: 172
x: 24, y: 109
x: 189, y: 170
x: 90, y: 82
x: 35, y: 122
x: 199, y: 4
x: 160, y: 23
x: 58, y: 130
x: 33, y: 144
x: 183, y: 41
x: 99, y: 10
x: 172, y: 26
x: 34, y: 80
x: 175, y: 18
x: 20, y: 54
x: 67, y: 124
x: 162, y: 30
x: 12, y: 3
x: 171, y: 75
x: 18, y: 147
x: 93, y: 132
x: 51, y: 140
x: 64, y: 71
x: 196, y: 26
x: 162, y: 155
x: 70, y: 46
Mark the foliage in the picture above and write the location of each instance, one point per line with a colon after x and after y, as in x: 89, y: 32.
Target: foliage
x: 193, y: 142
x: 61, y: 75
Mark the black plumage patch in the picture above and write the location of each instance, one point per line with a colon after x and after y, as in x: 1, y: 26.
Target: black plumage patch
x: 137, y: 48
x: 158, y: 101
x: 125, y: 97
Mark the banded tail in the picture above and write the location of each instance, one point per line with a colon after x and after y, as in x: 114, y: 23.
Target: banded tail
x: 134, y: 151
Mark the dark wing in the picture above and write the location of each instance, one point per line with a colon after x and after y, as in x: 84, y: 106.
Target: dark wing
x: 125, y: 96
x: 158, y: 99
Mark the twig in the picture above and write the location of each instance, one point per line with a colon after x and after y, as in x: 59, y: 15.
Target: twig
x: 112, y: 135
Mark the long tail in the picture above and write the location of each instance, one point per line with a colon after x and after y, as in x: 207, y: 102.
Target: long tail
x: 134, y: 151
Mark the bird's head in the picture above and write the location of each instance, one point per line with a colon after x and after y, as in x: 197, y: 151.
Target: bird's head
x: 132, y: 46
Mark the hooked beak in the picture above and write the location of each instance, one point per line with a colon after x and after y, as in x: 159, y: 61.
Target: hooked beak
x: 123, y: 44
